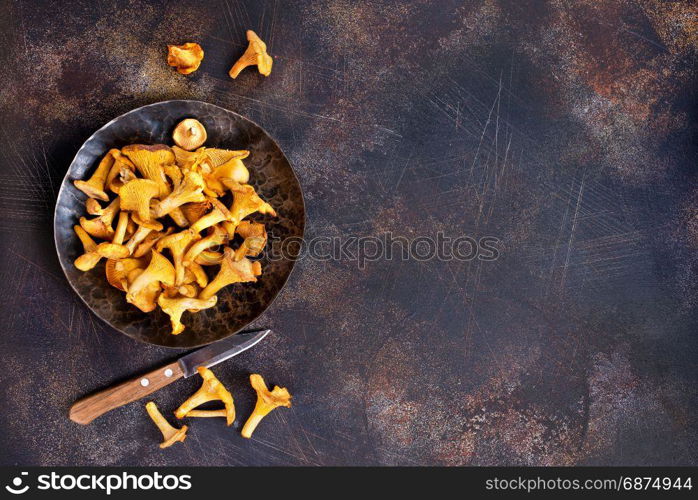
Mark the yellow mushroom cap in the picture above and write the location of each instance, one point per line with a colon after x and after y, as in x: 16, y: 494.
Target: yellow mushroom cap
x: 228, y: 174
x: 136, y: 195
x: 189, y: 134
x: 186, y: 57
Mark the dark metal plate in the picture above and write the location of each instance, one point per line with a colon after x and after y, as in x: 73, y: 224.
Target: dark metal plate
x: 272, y: 176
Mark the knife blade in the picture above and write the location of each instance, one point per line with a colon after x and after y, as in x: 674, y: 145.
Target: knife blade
x: 91, y: 407
x: 219, y: 351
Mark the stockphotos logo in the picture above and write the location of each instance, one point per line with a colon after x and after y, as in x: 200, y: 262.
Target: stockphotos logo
x: 16, y: 487
x: 106, y: 483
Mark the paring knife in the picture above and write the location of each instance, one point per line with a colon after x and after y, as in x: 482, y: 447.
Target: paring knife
x: 91, y: 407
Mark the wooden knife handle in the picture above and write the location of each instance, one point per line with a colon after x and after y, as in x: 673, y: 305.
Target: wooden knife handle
x: 91, y: 407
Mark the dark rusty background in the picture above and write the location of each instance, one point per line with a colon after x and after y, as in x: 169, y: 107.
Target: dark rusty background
x: 565, y: 129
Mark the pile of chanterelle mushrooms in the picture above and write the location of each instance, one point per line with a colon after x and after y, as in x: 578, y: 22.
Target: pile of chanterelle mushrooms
x: 172, y: 221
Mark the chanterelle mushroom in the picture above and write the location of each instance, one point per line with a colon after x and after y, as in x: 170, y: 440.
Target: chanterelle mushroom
x: 232, y: 272
x: 211, y: 390
x: 91, y: 257
x: 256, y: 54
x: 147, y: 299
x: 175, y: 307
x: 178, y: 244
x: 255, y: 239
x: 160, y: 270
x: 169, y: 433
x: 136, y: 195
x: 94, y: 186
x: 150, y: 162
x: 101, y: 227
x: 246, y: 201
x: 190, y: 190
x: 266, y: 402
x: 186, y: 57
x: 189, y: 134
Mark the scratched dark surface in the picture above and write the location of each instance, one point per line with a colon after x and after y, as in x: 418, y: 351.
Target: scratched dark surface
x: 565, y: 129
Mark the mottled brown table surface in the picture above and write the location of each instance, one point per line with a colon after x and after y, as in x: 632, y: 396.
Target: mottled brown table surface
x: 566, y: 130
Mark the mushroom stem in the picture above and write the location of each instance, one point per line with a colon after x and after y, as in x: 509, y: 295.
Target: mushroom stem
x: 137, y: 237
x: 144, y: 247
x: 179, y: 218
x: 169, y: 433
x: 252, y: 423
x: 121, y: 226
x: 207, y: 413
